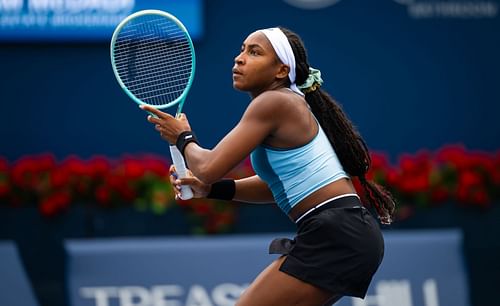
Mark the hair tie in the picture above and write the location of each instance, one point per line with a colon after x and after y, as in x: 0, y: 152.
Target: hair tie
x: 313, y: 81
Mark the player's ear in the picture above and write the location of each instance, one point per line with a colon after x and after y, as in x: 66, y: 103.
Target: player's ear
x: 283, y: 71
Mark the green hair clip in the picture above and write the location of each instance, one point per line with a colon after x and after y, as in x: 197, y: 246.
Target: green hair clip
x: 313, y: 82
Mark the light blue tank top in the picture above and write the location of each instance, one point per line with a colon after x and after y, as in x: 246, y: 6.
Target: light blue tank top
x: 293, y: 174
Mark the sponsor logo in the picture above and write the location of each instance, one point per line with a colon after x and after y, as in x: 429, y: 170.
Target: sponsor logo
x: 61, y: 13
x: 224, y: 294
x: 457, y: 9
x: 386, y: 293
x: 424, y: 9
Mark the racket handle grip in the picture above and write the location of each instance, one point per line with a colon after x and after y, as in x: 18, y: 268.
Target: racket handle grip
x: 180, y: 168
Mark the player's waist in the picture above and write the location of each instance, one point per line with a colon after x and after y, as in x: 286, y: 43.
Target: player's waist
x: 348, y: 200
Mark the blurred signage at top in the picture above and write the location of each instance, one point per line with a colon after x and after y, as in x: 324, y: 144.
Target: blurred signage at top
x: 84, y: 20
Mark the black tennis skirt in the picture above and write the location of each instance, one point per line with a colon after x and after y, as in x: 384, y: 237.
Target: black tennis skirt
x: 338, y: 247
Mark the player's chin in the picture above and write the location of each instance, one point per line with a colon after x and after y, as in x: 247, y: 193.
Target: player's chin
x: 238, y: 85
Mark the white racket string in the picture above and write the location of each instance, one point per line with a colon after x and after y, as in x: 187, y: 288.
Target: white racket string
x: 153, y: 59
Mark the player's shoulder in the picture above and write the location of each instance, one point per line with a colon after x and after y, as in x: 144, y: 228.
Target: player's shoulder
x: 275, y: 95
x: 274, y: 99
x: 268, y: 105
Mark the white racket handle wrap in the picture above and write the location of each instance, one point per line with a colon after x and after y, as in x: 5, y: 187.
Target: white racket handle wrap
x: 180, y: 168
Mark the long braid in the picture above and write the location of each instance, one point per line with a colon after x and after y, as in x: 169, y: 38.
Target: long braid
x: 350, y: 147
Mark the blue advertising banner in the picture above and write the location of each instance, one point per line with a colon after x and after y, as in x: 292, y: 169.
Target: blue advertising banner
x: 15, y: 288
x: 84, y: 20
x: 422, y: 268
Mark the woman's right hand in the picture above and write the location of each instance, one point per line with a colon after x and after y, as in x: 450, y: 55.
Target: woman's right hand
x: 200, y: 189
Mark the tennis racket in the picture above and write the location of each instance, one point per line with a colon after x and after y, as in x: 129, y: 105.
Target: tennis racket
x: 153, y: 59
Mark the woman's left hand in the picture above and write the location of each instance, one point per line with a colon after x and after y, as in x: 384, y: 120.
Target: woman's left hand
x: 200, y: 189
x: 169, y: 127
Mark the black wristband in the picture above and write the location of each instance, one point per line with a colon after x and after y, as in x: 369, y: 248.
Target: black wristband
x: 223, y: 190
x: 183, y: 139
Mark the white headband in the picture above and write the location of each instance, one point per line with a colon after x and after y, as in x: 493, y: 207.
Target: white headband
x: 284, y: 51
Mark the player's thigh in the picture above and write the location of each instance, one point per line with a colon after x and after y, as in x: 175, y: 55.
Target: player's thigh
x: 275, y: 288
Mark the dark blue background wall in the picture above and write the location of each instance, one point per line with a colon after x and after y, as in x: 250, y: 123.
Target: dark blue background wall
x: 407, y: 83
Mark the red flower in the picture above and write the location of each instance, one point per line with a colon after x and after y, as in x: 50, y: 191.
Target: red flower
x: 392, y: 177
x: 23, y: 173
x: 481, y: 198
x: 115, y: 181
x: 98, y: 166
x: 201, y: 208
x: 439, y: 194
x: 75, y: 166
x: 415, y: 184
x: 408, y: 164
x: 4, y: 179
x: 453, y: 154
x: 132, y: 168
x: 4, y: 188
x: 54, y: 204
x: 45, y: 162
x: 103, y: 194
x: 59, y: 177
x: 126, y: 192
x: 156, y: 165
x: 379, y: 160
x: 184, y: 203
x: 4, y: 165
x: 469, y: 179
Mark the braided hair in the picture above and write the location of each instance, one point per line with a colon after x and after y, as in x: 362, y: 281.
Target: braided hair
x: 347, y: 142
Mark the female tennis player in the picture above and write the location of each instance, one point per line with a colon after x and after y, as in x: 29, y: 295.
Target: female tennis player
x: 304, y: 151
